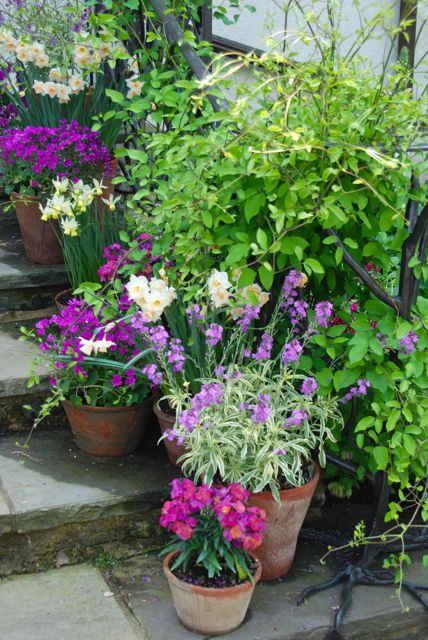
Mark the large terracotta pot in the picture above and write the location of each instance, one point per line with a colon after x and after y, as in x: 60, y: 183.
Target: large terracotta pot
x: 284, y: 520
x: 209, y: 611
x: 167, y: 421
x: 108, y: 431
x: 41, y: 239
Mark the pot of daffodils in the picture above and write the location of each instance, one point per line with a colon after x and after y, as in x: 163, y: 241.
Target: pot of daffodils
x: 108, y: 402
x: 190, y: 342
x: 209, y: 563
x: 30, y: 160
x: 259, y: 419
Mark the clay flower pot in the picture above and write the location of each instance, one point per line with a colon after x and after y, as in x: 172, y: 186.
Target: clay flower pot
x: 209, y: 611
x: 283, y: 523
x: 62, y: 298
x: 108, y: 431
x: 40, y: 238
x: 167, y: 421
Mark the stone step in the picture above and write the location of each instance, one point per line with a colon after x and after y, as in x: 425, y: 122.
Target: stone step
x: 375, y: 612
x: 23, y: 285
x: 60, y: 506
x: 17, y: 358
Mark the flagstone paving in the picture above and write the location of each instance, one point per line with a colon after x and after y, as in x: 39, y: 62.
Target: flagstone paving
x: 273, y: 614
x: 72, y: 603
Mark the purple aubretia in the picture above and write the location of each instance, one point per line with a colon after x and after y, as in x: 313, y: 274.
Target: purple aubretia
x: 249, y: 313
x: 264, y: 349
x: 211, y: 393
x: 292, y: 302
x: 296, y: 418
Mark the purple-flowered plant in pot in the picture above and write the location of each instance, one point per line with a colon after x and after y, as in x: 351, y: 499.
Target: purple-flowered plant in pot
x: 74, y: 344
x: 33, y: 157
x: 213, y: 529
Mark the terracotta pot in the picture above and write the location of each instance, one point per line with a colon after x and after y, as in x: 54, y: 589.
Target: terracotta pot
x: 108, y: 431
x: 283, y: 523
x: 209, y: 611
x: 40, y: 238
x: 66, y: 293
x: 167, y: 421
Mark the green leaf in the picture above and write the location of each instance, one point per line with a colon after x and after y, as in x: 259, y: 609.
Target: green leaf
x: 381, y: 457
x: 393, y: 419
x: 246, y: 278
x: 115, y: 96
x: 357, y: 352
x: 313, y: 265
x: 266, y: 277
x: 409, y: 444
x: 344, y: 379
x: 138, y: 154
x: 262, y: 239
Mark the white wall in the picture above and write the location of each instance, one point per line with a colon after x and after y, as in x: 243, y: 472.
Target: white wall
x: 282, y: 16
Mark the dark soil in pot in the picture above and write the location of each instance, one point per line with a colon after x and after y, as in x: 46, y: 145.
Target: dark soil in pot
x: 197, y: 575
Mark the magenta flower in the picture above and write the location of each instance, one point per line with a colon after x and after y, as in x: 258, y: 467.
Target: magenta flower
x: 116, y: 380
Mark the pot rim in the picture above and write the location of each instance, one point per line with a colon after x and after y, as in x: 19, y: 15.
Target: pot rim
x: 158, y: 411
x: 210, y: 591
x: 17, y: 197
x: 85, y: 407
x: 286, y: 494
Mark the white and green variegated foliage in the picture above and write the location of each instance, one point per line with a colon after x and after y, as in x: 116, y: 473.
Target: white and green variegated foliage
x: 229, y: 446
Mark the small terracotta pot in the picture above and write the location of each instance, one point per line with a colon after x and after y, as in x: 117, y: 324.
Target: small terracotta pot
x: 108, y: 431
x: 60, y: 295
x: 41, y: 239
x: 209, y: 611
x: 167, y: 421
x: 283, y: 523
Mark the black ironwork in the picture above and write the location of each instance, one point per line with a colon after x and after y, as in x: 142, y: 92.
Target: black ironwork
x: 361, y: 572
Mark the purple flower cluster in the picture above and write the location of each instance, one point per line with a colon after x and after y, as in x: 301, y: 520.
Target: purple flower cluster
x: 264, y: 349
x: 214, y: 334
x: 409, y: 342
x: 117, y: 256
x: 45, y: 153
x: 292, y: 302
x: 7, y: 114
x: 309, y: 386
x: 260, y: 412
x: 153, y: 374
x: 360, y: 390
x: 194, y: 312
x: 249, y: 313
x: 175, y: 355
x: 323, y: 311
x: 291, y: 352
x: 296, y: 418
x: 211, y: 393
x: 60, y: 335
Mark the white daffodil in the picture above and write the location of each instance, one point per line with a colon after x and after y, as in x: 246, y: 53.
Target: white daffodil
x: 56, y: 75
x: 220, y: 297
x: 61, y: 186
x: 111, y: 202
x: 99, y: 186
x: 41, y: 61
x: 137, y: 287
x: 134, y: 86
x: 218, y: 280
x: 87, y: 346
x: 76, y: 83
x: 38, y: 87
x: 257, y: 291
x: 101, y: 346
x: 63, y: 93
x: 70, y: 226
x: 51, y: 89
x: 37, y: 49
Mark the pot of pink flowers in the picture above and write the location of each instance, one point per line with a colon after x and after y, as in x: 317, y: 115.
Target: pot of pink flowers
x: 30, y: 160
x: 209, y: 564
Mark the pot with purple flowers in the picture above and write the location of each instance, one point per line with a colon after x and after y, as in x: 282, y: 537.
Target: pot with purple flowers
x: 32, y: 159
x: 209, y: 564
x: 108, y: 402
x: 258, y: 420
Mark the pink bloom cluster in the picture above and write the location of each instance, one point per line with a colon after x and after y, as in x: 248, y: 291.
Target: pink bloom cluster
x: 116, y: 258
x: 241, y: 525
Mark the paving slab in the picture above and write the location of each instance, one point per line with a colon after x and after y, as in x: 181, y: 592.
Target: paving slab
x: 70, y: 603
x: 273, y: 614
x: 16, y: 364
x: 52, y: 482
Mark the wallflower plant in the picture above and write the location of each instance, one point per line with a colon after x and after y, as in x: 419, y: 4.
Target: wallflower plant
x: 212, y: 528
